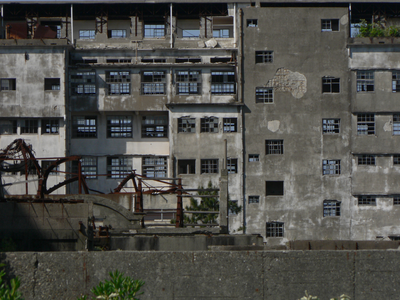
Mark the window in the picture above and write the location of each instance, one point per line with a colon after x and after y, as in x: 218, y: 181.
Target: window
x: 330, y: 85
x: 232, y: 165
x: 118, y: 167
x: 187, y: 125
x: 118, y: 61
x: 264, y: 57
x: 153, y: 83
x: 254, y: 199
x: 117, y: 33
x: 186, y: 166
x: 331, y: 208
x: 365, y: 124
x: 83, y: 83
x: 47, y: 163
x: 396, y: 200
x: 396, y: 124
x: 330, y: 167
x: 154, y: 30
x: 274, y: 229
x: 365, y: 81
x: 50, y: 126
x: 209, y: 125
x: 119, y: 126
x: 221, y: 33
x: 252, y: 22
x: 87, y: 34
x: 230, y: 124
x: 29, y: 126
x: 188, y: 82
x: 209, y: 166
x: 274, y: 147
x: 154, y: 166
x: 366, y: 200
x: 330, y: 25
x: 223, y: 83
x: 8, y: 126
x: 84, y: 126
x: 88, y: 167
x: 52, y: 84
x: 366, y: 159
x: 153, y: 60
x: 396, y: 159
x: 154, y: 126
x: 264, y: 95
x: 254, y: 157
x: 8, y: 84
x: 118, y: 82
x: 274, y: 188
x: 396, y: 81
x: 330, y: 126
x: 222, y: 27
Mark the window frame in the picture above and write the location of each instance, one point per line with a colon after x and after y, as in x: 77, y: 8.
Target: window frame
x: 186, y: 125
x: 331, y: 208
x: 89, y: 127
x: 89, y: 167
x: 229, y: 125
x: 232, y: 165
x: 120, y: 170
x: 275, y: 229
x: 156, y: 165
x: 331, y: 167
x: 223, y: 82
x: 328, y: 26
x: 209, y: 166
x: 118, y: 83
x: 117, y: 128
x: 153, y: 83
x: 52, y: 84
x: 209, y: 125
x: 396, y: 124
x: 366, y: 160
x: 154, y: 30
x: 111, y: 33
x: 91, y: 34
x: 330, y: 85
x: 272, y: 188
x: 366, y: 200
x: 396, y: 159
x: 365, y: 81
x: 83, y: 83
x: 264, y: 57
x: 158, y: 125
x: 31, y: 128
x: 331, y: 126
x: 254, y: 158
x: 366, y: 124
x: 253, y: 199
x: 252, y: 23
x: 10, y: 86
x: 8, y: 126
x: 274, y: 147
x: 264, y: 94
x: 395, y: 81
x: 188, y: 164
x: 53, y: 126
x: 188, y: 84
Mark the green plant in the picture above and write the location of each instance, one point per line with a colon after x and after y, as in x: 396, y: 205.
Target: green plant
x: 120, y: 287
x: 377, y: 30
x: 9, y: 292
x: 309, y: 297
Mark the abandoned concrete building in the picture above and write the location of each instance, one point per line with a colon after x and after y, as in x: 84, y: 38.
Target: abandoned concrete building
x: 302, y: 112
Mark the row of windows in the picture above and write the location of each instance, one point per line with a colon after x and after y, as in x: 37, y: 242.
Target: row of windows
x: 208, y: 124
x: 10, y: 84
x: 188, y: 166
x: 326, y: 24
x: 47, y: 126
x: 370, y: 159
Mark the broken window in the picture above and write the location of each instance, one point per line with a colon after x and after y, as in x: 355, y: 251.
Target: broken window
x: 224, y: 60
x: 188, y: 28
x: 186, y: 166
x: 154, y: 126
x: 117, y: 33
x: 365, y: 124
x: 396, y: 159
x: 366, y: 200
x: 153, y: 60
x: 84, y: 126
x: 330, y: 85
x: 47, y: 163
x: 8, y: 126
x: 88, y: 167
x: 52, y: 84
x: 396, y: 200
x: 274, y: 229
x: 254, y: 199
x: 54, y: 26
x: 83, y: 83
x: 330, y: 167
x: 209, y: 125
x: 365, y: 81
x: 330, y: 126
x: 223, y: 82
x: 118, y: 82
x: 119, y: 126
x: 87, y: 34
x: 264, y: 57
x: 252, y: 23
x: 274, y: 147
x: 8, y: 84
x: 187, y: 125
x: 396, y: 124
x: 222, y: 27
x: 153, y: 83
x: 330, y: 25
x: 118, y: 167
x: 264, y: 95
x: 29, y: 126
x: 331, y: 208
x: 366, y: 159
x: 230, y: 124
x: 188, y: 82
x: 154, y: 166
x: 396, y: 81
x: 254, y: 157
x: 118, y: 61
x: 50, y: 126
x: 232, y: 165
x: 274, y: 188
x: 154, y: 30
x: 209, y: 166
x: 187, y: 60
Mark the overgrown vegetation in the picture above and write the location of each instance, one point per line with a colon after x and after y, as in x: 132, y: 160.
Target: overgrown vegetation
x: 377, y: 30
x: 120, y: 287
x: 309, y: 297
x: 9, y: 292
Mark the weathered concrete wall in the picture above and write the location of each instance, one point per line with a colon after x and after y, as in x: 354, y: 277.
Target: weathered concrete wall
x: 212, y: 275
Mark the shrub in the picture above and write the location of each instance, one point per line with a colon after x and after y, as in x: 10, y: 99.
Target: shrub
x: 9, y: 292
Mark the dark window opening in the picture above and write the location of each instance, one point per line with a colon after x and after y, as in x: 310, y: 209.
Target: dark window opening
x: 209, y: 166
x: 366, y: 159
x: 366, y: 200
x: 187, y: 60
x: 186, y: 166
x: 254, y: 157
x: 50, y: 126
x: 252, y: 23
x: 330, y: 25
x: 29, y: 126
x: 52, y: 84
x: 187, y: 125
x: 8, y: 84
x: 254, y: 199
x: 274, y: 147
x: 264, y: 57
x: 274, y: 188
x: 330, y: 85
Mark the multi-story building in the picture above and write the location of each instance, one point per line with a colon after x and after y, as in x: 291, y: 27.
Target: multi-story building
x: 281, y: 94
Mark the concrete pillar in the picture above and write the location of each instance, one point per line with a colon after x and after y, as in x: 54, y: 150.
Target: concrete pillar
x: 223, y: 201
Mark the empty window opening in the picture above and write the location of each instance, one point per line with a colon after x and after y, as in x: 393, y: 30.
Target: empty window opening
x: 254, y: 199
x: 117, y: 33
x: 222, y: 27
x: 54, y: 26
x: 252, y: 23
x: 154, y: 126
x: 209, y: 125
x: 366, y: 159
x: 84, y: 126
x: 87, y: 34
x: 232, y: 165
x: 83, y: 83
x: 365, y: 81
x: 264, y: 57
x: 330, y: 167
x: 396, y: 81
x: 396, y: 200
x: 223, y: 82
x: 330, y: 25
x: 264, y: 95
x: 274, y: 188
x: 394, y: 237
x: 330, y: 126
x: 274, y: 147
x: 153, y: 83
x: 254, y: 157
x: 396, y: 124
x: 221, y: 59
x: 50, y: 126
x: 88, y: 167
x: 366, y: 200
x: 187, y: 125
x: 8, y: 126
x: 186, y: 166
x: 331, y: 208
x: 29, y: 126
x: 188, y: 28
x: 188, y: 82
x: 8, y: 84
x: 153, y: 60
x: 365, y: 124
x: 330, y: 85
x: 154, y: 166
x: 396, y: 159
x: 118, y: 61
x: 231, y: 207
x: 118, y: 167
x: 209, y: 166
x: 230, y: 124
x: 52, y: 84
x: 119, y: 126
x: 154, y: 30
x: 118, y: 82
x: 187, y: 60
x: 274, y: 229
